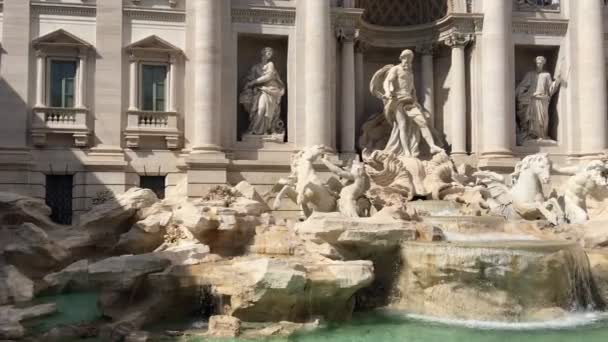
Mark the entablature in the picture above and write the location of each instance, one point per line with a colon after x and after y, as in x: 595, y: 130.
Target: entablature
x: 382, y: 36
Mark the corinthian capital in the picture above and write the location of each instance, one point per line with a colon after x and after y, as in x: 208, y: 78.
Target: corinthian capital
x: 425, y: 49
x: 347, y: 34
x: 457, y: 39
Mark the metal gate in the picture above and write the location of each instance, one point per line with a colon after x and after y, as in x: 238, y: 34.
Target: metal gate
x: 59, y: 197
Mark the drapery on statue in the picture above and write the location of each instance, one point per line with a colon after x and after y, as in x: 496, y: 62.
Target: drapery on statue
x: 394, y: 85
x: 262, y: 96
x: 533, y: 99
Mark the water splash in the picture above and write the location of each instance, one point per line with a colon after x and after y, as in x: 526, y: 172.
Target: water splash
x: 572, y: 320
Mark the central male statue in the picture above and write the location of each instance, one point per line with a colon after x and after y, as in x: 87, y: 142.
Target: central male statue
x: 402, y: 110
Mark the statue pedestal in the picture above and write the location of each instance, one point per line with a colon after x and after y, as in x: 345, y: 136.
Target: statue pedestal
x: 539, y: 143
x: 261, y: 141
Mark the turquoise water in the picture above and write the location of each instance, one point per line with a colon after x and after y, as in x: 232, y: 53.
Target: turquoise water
x: 71, y: 309
x: 376, y: 327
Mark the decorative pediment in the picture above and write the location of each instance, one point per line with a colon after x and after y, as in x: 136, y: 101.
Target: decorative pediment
x: 60, y: 38
x: 154, y: 43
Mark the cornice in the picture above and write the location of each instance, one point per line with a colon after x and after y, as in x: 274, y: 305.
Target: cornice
x: 178, y: 16
x: 77, y: 10
x: 440, y: 30
x: 346, y: 17
x: 543, y: 27
x: 282, y: 16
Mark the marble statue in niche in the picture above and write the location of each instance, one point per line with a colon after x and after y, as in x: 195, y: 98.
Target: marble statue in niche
x: 261, y: 97
x: 394, y: 85
x: 534, y: 95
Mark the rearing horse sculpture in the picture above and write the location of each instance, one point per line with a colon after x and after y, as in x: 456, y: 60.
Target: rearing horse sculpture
x: 525, y: 198
x: 304, y: 186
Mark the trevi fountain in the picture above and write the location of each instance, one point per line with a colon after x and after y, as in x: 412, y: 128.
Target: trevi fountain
x: 404, y: 239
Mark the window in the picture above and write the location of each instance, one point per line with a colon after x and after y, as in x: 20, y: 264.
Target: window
x: 59, y: 198
x: 63, y: 74
x: 153, y: 79
x: 154, y: 183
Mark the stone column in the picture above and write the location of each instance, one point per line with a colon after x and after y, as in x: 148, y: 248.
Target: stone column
x: 40, y: 78
x: 133, y: 81
x: 317, y: 72
x: 428, y: 79
x: 348, y: 105
x: 361, y: 85
x: 81, y: 88
x: 172, y: 84
x: 458, y: 103
x: 108, y: 81
x: 498, y: 82
x: 591, y: 82
x: 15, y: 71
x: 207, y: 76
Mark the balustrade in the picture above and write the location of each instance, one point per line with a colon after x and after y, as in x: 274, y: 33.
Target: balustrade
x: 50, y: 120
x: 151, y: 124
x: 536, y: 5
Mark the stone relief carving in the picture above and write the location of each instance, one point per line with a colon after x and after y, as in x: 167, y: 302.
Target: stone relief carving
x: 534, y: 95
x: 261, y: 97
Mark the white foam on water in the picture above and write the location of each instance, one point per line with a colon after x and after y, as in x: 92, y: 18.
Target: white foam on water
x: 570, y: 321
x: 485, y: 237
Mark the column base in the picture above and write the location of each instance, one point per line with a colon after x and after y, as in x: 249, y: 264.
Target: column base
x: 586, y: 155
x: 497, y: 162
x: 205, y: 170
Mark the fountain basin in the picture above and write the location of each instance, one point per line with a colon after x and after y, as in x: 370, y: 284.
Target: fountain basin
x: 511, y: 281
x: 467, y: 224
x: 436, y: 207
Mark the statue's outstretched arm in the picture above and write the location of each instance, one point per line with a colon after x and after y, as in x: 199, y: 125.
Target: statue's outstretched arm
x: 338, y: 171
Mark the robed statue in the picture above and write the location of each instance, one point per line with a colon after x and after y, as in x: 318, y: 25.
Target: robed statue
x: 407, y: 119
x: 534, y: 95
x: 261, y: 97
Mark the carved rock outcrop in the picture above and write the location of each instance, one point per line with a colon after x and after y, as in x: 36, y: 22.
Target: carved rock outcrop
x: 496, y: 281
x: 260, y: 289
x: 14, y: 286
x: 32, y: 250
x: 105, y: 222
x: 17, y: 209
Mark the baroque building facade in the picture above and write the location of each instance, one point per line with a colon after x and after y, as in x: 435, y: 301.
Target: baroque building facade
x: 98, y: 96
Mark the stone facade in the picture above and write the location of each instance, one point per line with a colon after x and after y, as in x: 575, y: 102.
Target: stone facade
x: 468, y: 63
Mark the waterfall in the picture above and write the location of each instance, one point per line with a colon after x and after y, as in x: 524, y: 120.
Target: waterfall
x: 514, y: 281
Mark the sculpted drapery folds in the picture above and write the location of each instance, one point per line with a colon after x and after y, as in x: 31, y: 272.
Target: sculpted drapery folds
x: 394, y: 85
x: 262, y: 96
x: 533, y: 99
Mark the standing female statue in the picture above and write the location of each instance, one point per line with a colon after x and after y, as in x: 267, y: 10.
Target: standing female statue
x: 262, y: 95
